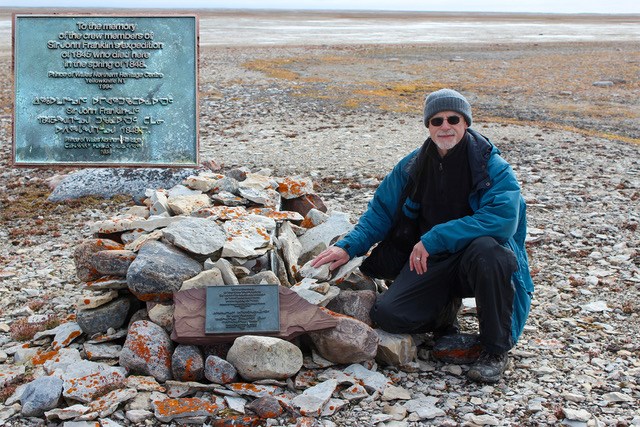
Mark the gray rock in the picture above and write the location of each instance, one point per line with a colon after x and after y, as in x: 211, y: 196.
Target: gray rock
x: 235, y: 403
x: 324, y: 234
x: 211, y: 277
x: 345, y: 270
x: 356, y: 304
x: 58, y: 365
x: 239, y: 174
x: 187, y: 363
x: 312, y: 400
x: 152, y: 223
x: 257, y: 357
x: 292, y: 187
x: 110, y: 182
x: 355, y: 392
x: 267, y: 197
x: 40, y: 396
x: 314, y: 217
x: 424, y: 407
x: 204, y: 182
x: 158, y: 202
x: 65, y: 334
x: 226, y: 269
x: 147, y: 350
x: 371, y: 380
x: 138, y: 416
x: 199, y: 236
x: 321, y: 273
x: 229, y: 199
x: 161, y: 314
x: 245, y: 239
x: 219, y: 371
x: 603, y: 83
x: 291, y: 248
x: 106, y: 283
x: 113, y: 263
x: 395, y: 349
x: 577, y: 414
x: 159, y: 270
x: 184, y: 409
x: 84, y: 381
x: 95, y: 298
x: 266, y: 407
x: 315, y: 293
x: 83, y: 257
x: 351, y: 341
x: 267, y: 277
x: 186, y: 204
x: 99, y: 320
x: 67, y: 413
x: 227, y: 184
x: 392, y: 392
x: 101, y: 351
x: 108, y: 403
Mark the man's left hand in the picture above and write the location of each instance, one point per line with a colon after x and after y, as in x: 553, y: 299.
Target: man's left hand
x: 418, y: 258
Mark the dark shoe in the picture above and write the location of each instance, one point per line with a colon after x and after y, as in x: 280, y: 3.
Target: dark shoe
x: 488, y: 368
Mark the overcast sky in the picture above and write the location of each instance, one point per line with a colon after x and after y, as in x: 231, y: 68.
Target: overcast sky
x: 541, y: 6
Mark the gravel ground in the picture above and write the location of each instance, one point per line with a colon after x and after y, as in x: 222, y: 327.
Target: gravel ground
x: 288, y: 109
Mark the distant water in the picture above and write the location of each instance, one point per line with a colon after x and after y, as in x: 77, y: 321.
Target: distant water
x: 308, y: 28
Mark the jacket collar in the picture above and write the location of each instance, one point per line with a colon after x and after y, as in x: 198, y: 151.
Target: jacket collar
x: 480, y: 150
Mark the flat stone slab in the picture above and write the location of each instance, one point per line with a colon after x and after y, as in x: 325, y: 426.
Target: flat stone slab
x: 110, y: 182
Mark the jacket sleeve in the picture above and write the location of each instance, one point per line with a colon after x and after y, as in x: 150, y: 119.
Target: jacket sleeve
x: 377, y: 220
x: 496, y: 213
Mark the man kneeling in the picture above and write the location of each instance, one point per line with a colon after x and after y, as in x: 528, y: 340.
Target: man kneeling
x: 450, y: 223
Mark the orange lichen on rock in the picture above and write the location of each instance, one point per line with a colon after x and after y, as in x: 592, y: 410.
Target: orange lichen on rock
x: 307, y: 223
x: 43, y: 356
x: 183, y: 407
x: 335, y: 314
x: 262, y: 232
x: 189, y: 373
x: 158, y: 296
x: 243, y: 387
x: 73, y: 335
x: 138, y: 345
x: 90, y: 386
x: 252, y: 389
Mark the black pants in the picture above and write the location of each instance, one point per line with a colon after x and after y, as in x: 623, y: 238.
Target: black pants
x: 416, y: 303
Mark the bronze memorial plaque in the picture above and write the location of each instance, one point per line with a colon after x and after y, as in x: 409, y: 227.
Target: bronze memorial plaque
x: 242, y: 309
x: 105, y: 90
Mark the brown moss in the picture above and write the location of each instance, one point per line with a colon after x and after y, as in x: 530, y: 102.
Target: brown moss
x: 23, y: 330
x: 506, y: 82
x: 25, y: 205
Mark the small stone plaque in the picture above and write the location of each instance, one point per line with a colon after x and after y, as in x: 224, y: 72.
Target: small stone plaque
x: 103, y: 90
x: 242, y: 309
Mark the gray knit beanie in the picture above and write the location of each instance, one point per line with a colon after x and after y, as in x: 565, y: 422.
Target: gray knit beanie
x: 446, y: 100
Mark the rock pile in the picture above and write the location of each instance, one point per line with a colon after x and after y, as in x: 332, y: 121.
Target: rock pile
x: 135, y: 349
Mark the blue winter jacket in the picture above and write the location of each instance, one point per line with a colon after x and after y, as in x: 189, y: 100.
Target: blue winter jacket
x: 498, y: 208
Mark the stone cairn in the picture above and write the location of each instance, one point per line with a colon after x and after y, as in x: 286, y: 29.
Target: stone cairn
x: 133, y: 353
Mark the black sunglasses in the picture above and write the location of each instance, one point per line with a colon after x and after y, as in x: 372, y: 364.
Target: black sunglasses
x: 438, y: 121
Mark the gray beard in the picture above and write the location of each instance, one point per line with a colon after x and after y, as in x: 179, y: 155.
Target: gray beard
x: 445, y: 146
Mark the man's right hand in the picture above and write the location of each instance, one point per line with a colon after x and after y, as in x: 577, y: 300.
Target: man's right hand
x: 333, y: 254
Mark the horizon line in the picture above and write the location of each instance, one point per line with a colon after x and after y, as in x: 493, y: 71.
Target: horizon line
x: 281, y: 9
